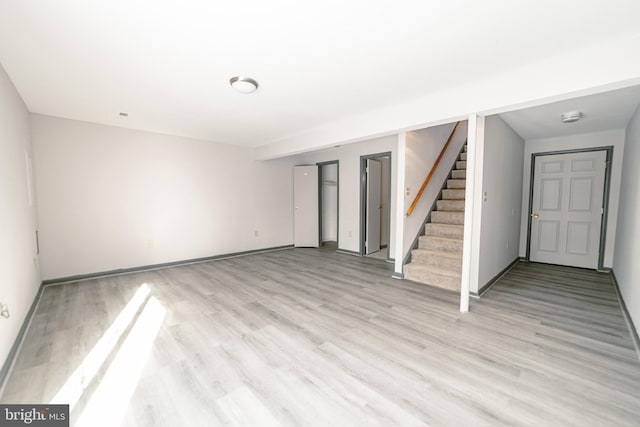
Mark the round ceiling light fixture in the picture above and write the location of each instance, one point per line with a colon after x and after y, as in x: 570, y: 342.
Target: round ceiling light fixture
x: 571, y: 116
x: 244, y: 84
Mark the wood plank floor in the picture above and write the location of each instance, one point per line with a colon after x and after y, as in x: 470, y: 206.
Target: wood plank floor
x: 310, y: 337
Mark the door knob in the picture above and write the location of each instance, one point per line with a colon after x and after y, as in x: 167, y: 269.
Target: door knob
x: 535, y: 215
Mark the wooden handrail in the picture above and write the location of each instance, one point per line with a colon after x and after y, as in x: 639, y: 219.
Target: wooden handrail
x: 433, y: 169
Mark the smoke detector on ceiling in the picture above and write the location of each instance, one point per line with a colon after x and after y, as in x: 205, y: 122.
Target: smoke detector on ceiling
x: 571, y: 116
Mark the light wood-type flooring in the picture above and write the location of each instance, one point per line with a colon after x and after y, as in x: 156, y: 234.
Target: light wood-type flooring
x: 306, y: 337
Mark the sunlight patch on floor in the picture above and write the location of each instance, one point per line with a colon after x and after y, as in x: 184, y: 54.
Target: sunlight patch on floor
x: 81, y: 378
x: 110, y: 401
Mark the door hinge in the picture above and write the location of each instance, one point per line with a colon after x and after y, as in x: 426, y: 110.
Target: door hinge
x: 601, y: 211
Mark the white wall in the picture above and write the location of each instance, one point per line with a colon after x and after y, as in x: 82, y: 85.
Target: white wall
x: 613, y: 138
x: 349, y: 191
x: 19, y: 270
x: 104, y: 193
x: 625, y: 264
x: 422, y: 149
x: 502, y: 181
x: 329, y: 196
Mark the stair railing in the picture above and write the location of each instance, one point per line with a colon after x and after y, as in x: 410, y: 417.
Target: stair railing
x: 433, y: 169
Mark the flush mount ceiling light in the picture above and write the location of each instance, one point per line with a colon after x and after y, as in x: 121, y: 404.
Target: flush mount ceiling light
x: 571, y: 116
x: 244, y: 84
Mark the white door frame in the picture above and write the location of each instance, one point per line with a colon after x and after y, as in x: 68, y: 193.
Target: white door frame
x: 605, y: 196
x: 363, y: 199
x: 373, y: 211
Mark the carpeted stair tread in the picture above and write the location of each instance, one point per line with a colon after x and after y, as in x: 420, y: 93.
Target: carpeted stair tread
x: 441, y: 244
x: 433, y: 276
x: 456, y: 183
x: 450, y: 205
x: 447, y: 217
x: 438, y: 259
x: 445, y: 260
x: 459, y: 174
x: 451, y: 231
x: 449, y: 194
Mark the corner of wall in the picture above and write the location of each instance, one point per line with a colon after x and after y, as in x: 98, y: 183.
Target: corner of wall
x: 627, y: 246
x: 20, y: 272
x: 500, y: 199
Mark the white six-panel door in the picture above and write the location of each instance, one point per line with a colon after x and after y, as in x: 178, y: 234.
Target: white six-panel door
x: 567, y: 208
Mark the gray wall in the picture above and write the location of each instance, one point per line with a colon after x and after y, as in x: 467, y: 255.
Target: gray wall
x: 502, y: 182
x: 349, y: 157
x: 19, y: 269
x: 626, y: 264
x: 111, y: 198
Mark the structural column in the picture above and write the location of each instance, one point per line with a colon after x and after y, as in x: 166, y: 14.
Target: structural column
x: 472, y: 209
x: 400, y: 208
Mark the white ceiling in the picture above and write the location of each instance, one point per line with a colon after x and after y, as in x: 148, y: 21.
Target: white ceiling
x: 168, y: 63
x: 603, y: 111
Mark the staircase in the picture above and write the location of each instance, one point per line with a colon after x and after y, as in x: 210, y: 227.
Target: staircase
x: 438, y: 259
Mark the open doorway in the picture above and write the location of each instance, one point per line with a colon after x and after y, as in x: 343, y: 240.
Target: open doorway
x: 375, y: 202
x: 328, y: 177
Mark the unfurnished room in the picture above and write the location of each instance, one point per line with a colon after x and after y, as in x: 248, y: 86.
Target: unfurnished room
x: 281, y: 213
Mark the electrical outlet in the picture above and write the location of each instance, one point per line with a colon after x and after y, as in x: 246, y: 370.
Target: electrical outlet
x: 255, y: 233
x: 350, y: 234
x: 150, y: 244
x: 407, y: 191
